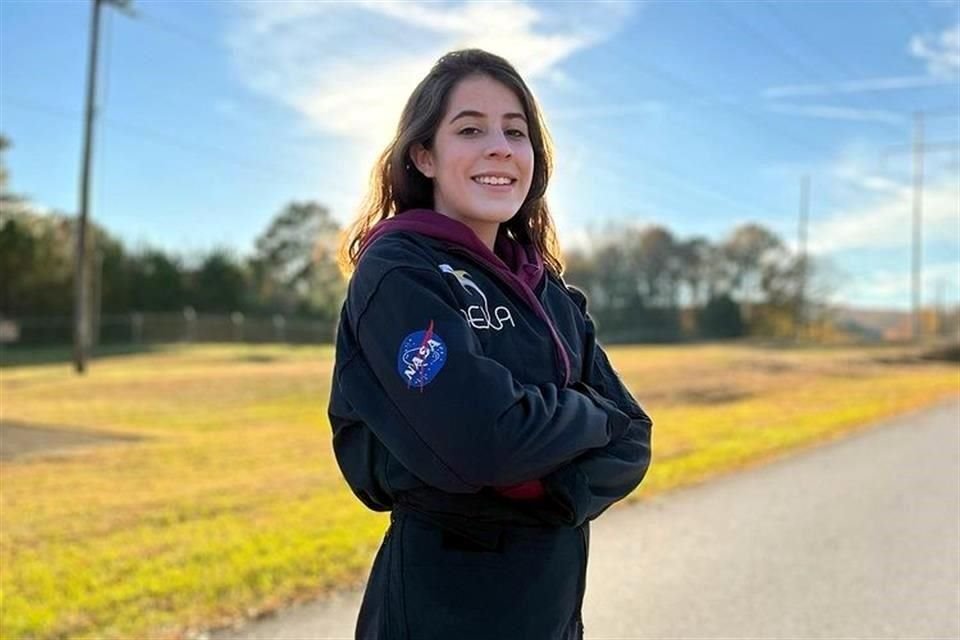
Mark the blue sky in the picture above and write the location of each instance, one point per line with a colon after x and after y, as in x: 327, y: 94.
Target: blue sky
x: 694, y: 115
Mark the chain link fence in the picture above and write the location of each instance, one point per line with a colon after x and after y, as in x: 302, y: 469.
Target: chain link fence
x: 158, y: 328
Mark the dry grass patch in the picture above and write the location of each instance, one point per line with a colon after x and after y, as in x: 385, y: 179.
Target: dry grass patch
x: 230, y: 501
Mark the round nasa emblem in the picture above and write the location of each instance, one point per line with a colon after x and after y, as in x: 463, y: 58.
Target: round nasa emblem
x: 421, y: 356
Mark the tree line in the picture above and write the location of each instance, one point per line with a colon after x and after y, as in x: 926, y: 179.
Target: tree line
x: 643, y: 284
x: 292, y: 270
x: 646, y: 284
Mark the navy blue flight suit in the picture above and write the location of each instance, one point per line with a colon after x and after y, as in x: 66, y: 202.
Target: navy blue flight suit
x: 447, y: 386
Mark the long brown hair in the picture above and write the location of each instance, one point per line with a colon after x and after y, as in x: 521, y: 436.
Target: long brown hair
x: 396, y: 185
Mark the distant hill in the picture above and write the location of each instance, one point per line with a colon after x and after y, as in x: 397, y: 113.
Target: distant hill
x: 874, y: 324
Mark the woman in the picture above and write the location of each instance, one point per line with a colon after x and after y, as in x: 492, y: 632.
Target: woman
x: 470, y: 397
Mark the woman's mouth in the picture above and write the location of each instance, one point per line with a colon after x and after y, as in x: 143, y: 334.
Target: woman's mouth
x: 495, y: 183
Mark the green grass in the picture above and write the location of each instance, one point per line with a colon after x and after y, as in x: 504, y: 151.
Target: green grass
x: 232, y: 503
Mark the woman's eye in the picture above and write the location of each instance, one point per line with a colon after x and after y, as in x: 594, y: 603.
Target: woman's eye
x: 468, y: 131
x: 516, y: 133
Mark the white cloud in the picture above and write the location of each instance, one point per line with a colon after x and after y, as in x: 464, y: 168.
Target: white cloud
x: 940, y: 51
x: 892, y: 83
x: 838, y: 113
x: 348, y: 68
x: 885, y: 221
x: 939, y: 284
x: 852, y: 170
x: 860, y: 227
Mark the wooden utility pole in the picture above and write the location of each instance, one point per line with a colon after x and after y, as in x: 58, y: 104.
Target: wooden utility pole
x: 81, y: 288
x: 800, y: 320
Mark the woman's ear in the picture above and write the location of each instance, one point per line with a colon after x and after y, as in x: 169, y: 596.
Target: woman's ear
x: 423, y: 159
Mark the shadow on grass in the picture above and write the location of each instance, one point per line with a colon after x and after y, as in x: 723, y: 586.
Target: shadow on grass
x: 257, y: 358
x: 943, y: 353
x: 709, y: 395
x: 26, y: 356
x: 937, y: 353
x: 21, y: 441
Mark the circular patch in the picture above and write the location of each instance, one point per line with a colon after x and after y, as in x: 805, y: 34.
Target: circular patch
x: 422, y: 354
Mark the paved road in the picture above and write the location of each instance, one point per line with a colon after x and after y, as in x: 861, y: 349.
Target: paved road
x: 856, y: 539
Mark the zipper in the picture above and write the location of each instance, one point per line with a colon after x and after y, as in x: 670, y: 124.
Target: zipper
x: 583, y: 574
x: 530, y: 297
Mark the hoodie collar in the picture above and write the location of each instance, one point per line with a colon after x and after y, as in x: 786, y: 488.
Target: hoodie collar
x: 521, y: 260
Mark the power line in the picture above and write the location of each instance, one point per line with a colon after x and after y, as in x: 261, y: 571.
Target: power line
x: 775, y: 10
x: 739, y: 112
x: 203, y: 41
x: 648, y: 67
x: 227, y: 156
x: 231, y: 157
x: 98, y: 160
x: 81, y: 343
x: 187, y: 35
x: 925, y: 24
x: 919, y: 24
x: 685, y: 184
x: 797, y: 63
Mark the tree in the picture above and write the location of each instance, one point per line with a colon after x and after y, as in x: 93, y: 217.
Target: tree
x: 749, y: 251
x: 35, y: 261
x: 720, y: 318
x: 657, y: 265
x: 4, y: 176
x: 116, y: 287
x: 327, y: 285
x: 17, y: 259
x: 219, y: 284
x: 694, y: 256
x: 6, y: 198
x: 156, y: 282
x: 291, y: 266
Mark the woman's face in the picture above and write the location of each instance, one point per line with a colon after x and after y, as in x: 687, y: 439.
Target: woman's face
x: 482, y: 159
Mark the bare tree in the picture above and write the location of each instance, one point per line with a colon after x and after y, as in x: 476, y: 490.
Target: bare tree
x: 749, y: 251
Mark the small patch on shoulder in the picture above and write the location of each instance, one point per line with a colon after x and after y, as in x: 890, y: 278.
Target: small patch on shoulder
x: 421, y: 356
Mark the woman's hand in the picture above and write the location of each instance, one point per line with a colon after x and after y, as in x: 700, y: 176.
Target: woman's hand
x: 530, y: 490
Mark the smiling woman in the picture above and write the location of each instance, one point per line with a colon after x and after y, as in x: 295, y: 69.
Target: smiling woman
x: 442, y: 110
x: 470, y: 397
x: 481, y: 159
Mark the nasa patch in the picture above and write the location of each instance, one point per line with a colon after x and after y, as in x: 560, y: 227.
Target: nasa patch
x: 422, y: 354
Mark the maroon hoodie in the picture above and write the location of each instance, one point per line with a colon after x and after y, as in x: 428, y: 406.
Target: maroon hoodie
x: 518, y: 266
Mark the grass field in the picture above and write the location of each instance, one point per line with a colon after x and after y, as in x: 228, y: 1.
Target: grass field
x: 229, y: 503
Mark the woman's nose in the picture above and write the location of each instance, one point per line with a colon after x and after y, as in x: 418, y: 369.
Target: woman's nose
x: 499, y: 145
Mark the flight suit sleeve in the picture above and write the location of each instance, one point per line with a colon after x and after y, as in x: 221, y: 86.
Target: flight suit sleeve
x: 453, y: 417
x: 587, y: 486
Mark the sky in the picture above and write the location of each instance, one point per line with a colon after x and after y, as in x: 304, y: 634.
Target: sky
x: 697, y: 116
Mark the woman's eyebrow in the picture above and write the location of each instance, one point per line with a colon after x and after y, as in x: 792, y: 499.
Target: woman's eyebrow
x: 469, y: 113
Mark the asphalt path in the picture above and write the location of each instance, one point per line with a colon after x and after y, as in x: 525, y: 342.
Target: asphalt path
x: 858, y: 538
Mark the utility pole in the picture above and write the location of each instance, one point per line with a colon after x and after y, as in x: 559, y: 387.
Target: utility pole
x: 939, y: 308
x: 917, y: 219
x: 919, y: 148
x: 81, y: 289
x: 800, y: 320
